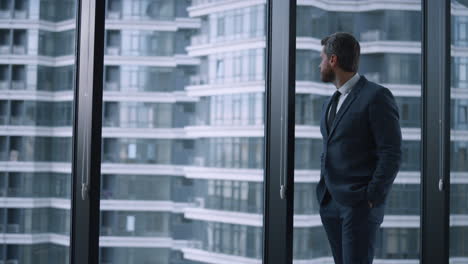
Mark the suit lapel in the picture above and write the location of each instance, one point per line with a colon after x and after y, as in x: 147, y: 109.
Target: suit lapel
x: 346, y: 104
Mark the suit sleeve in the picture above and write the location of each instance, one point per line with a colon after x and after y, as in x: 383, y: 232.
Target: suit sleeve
x: 386, y: 132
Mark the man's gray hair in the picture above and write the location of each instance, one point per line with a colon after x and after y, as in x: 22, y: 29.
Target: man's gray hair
x: 345, y: 47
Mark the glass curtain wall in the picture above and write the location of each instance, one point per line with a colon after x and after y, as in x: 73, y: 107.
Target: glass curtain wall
x: 459, y: 134
x: 182, y: 161
x: 390, y: 37
x: 182, y: 137
x: 37, y: 48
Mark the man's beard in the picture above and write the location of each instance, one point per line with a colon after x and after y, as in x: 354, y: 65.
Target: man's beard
x: 327, y: 76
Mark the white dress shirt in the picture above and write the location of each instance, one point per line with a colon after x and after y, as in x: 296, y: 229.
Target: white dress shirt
x: 345, y: 89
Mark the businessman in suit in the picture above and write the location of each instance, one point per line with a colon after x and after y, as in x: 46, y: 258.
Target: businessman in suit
x: 361, y: 152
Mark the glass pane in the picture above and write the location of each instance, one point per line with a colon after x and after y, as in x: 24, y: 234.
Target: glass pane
x: 182, y: 161
x: 459, y: 139
x: 389, y: 35
x: 37, y: 61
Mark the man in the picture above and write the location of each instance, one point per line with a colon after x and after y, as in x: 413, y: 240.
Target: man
x: 361, y: 152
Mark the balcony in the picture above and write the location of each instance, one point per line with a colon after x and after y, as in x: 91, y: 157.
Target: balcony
x: 18, y: 85
x: 13, y: 228
x: 230, y: 205
x: 113, y: 51
x: 5, y: 49
x: 46, y: 85
x: 198, y: 40
x: 20, y: 14
x: 15, y: 192
x: 373, y: 76
x: 4, y: 85
x: 110, y: 158
x: 14, y: 155
x: 111, y: 122
x: 372, y: 35
x: 203, y: 2
x: 5, y: 14
x: 199, y: 161
x: 16, y: 120
x: 198, y: 79
x: 114, y: 14
x: 106, y: 231
x: 19, y: 50
x: 112, y: 86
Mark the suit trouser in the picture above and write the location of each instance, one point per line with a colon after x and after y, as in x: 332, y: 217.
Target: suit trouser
x: 351, y: 231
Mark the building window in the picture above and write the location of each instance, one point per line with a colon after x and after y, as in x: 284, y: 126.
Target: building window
x: 18, y: 77
x: 220, y: 27
x: 219, y: 70
x: 463, y: 114
x: 114, y: 9
x: 238, y: 22
x: 113, y: 42
x: 19, y: 42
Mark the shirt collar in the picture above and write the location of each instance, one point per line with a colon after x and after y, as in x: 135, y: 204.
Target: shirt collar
x: 346, y: 88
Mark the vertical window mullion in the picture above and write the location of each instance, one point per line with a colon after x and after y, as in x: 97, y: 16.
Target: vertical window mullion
x: 279, y: 131
x: 87, y: 133
x: 435, y: 180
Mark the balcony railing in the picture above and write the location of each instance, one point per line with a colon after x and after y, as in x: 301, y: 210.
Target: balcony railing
x: 15, y: 192
x: 5, y: 49
x: 112, y: 86
x: 18, y: 85
x: 199, y: 39
x: 21, y: 14
x: 373, y: 76
x: 5, y: 14
x: 198, y: 79
x: 20, y: 50
x: 114, y: 14
x: 106, y: 231
x: 3, y: 155
x: 13, y: 228
x: 14, y: 155
x: 202, y: 2
x: 111, y: 122
x: 16, y: 121
x: 372, y: 35
x: 4, y: 85
x: 113, y: 51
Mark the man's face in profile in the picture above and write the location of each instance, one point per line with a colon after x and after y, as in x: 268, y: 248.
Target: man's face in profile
x: 326, y: 72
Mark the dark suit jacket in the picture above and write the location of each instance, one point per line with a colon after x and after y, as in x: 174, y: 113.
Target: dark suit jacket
x: 362, y: 151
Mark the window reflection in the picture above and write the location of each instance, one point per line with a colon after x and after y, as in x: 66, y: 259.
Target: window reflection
x: 459, y: 142
x: 37, y: 53
x: 182, y: 147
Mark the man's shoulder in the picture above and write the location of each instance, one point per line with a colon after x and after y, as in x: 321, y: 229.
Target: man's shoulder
x: 374, y: 89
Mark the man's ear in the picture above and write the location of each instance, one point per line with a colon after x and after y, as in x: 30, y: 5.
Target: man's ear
x: 333, y: 60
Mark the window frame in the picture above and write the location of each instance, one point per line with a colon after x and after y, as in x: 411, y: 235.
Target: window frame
x: 435, y: 132
x: 278, y: 214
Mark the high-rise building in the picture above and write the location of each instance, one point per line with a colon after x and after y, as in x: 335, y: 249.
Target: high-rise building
x: 183, y: 128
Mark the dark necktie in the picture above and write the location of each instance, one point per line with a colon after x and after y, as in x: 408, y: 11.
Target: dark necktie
x: 332, y: 113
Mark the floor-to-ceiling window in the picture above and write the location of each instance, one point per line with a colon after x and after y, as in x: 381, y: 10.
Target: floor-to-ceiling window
x: 459, y: 134
x: 183, y: 121
x: 37, y: 57
x: 182, y: 138
x: 390, y: 36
